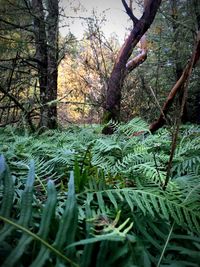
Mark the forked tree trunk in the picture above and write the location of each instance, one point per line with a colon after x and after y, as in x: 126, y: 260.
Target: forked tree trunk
x: 121, y: 67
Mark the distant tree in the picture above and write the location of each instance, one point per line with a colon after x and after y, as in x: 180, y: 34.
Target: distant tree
x: 29, y: 31
x: 15, y: 71
x: 83, y: 74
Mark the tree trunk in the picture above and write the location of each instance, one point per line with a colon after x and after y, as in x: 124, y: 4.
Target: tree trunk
x: 121, y: 68
x: 52, y: 37
x: 46, y: 42
x: 178, y: 87
x: 194, y: 96
x: 41, y: 56
x: 177, y: 53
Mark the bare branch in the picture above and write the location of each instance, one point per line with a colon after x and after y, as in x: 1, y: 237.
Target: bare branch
x: 129, y: 12
x: 24, y: 27
x: 13, y: 98
x: 141, y: 57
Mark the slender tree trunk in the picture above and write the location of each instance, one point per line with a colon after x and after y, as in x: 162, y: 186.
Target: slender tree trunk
x: 176, y: 39
x: 41, y: 56
x: 179, y: 86
x: 183, y: 80
x: 52, y: 37
x: 46, y: 42
x: 121, y: 68
x: 177, y: 53
x: 194, y: 115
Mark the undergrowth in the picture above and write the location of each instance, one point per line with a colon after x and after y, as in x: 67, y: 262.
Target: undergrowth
x: 78, y: 198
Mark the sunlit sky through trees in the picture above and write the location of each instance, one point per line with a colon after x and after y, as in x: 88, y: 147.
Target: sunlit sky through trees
x: 116, y: 19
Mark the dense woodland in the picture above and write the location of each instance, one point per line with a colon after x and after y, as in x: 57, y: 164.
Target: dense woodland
x: 99, y: 138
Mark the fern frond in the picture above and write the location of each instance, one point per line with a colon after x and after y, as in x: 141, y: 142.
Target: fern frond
x: 154, y: 202
x: 134, y: 126
x: 110, y: 231
x: 36, y: 237
x: 8, y: 185
x: 65, y: 233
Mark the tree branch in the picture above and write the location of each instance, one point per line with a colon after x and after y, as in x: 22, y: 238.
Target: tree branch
x: 25, y: 27
x: 13, y: 98
x: 129, y: 12
x: 140, y: 58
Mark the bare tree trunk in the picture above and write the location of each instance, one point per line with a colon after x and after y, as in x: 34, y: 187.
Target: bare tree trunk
x: 121, y: 68
x: 46, y: 42
x: 41, y: 56
x: 52, y: 77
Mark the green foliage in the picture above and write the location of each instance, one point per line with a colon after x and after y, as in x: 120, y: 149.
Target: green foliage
x: 112, y: 211
x: 23, y: 223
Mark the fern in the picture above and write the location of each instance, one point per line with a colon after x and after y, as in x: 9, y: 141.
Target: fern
x: 155, y: 203
x: 134, y: 126
x: 64, y: 235
x: 119, y: 174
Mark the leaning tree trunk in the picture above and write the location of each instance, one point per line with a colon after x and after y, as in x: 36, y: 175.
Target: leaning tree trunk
x: 121, y: 67
x: 184, y: 78
x: 194, y: 97
x: 180, y: 85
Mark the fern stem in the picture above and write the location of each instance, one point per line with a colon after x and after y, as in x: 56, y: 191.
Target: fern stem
x: 157, y: 170
x: 41, y: 183
x: 165, y: 246
x: 36, y: 237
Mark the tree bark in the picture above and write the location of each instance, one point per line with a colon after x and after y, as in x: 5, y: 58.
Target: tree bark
x: 52, y: 73
x: 46, y: 42
x: 121, y: 68
x: 41, y: 56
